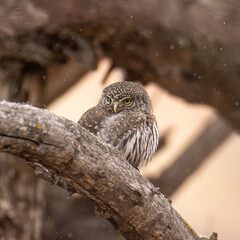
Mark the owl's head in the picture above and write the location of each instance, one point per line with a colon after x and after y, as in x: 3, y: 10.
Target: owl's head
x: 124, y: 96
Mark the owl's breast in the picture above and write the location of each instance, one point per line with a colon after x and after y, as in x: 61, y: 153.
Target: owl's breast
x: 135, y: 134
x: 112, y: 128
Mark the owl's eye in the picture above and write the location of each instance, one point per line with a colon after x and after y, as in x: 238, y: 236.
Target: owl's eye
x: 127, y: 101
x: 109, y: 100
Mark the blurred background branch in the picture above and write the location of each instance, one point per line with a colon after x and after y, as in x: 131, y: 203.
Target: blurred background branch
x: 215, y: 133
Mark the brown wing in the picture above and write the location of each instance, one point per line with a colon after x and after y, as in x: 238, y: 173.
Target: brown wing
x: 92, y: 119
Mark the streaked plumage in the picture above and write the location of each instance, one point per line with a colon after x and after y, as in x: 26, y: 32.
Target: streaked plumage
x: 123, y: 118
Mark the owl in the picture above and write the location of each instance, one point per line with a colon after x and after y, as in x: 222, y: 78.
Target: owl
x: 124, y: 118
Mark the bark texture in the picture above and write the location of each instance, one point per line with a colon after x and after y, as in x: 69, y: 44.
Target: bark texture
x: 74, y: 156
x: 191, y: 48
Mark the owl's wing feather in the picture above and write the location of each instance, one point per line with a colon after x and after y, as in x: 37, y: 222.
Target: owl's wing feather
x: 92, y: 119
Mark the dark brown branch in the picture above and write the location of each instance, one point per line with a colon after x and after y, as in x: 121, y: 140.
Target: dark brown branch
x: 180, y: 45
x: 173, y: 177
x: 119, y: 192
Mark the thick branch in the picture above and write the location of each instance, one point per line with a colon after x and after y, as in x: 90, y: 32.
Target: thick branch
x: 118, y: 191
x: 180, y: 45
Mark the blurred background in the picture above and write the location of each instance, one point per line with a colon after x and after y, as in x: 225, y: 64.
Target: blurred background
x: 209, y: 198
x: 60, y: 54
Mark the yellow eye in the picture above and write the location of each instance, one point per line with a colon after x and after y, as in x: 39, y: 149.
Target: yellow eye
x: 127, y: 101
x: 109, y: 99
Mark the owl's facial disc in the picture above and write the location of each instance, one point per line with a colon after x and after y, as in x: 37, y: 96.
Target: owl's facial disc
x: 120, y: 105
x: 117, y: 105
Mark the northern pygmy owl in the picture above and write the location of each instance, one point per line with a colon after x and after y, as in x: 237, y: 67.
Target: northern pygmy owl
x: 124, y: 118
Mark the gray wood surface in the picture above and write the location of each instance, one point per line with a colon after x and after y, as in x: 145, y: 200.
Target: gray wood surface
x: 117, y: 190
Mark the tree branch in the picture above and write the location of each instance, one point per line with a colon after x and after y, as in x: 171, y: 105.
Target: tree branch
x: 89, y: 166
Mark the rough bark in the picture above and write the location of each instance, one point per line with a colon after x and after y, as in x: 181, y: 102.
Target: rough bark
x: 37, y: 63
x: 72, y: 156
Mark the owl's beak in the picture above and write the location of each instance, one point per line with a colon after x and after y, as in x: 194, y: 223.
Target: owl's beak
x: 115, y: 105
